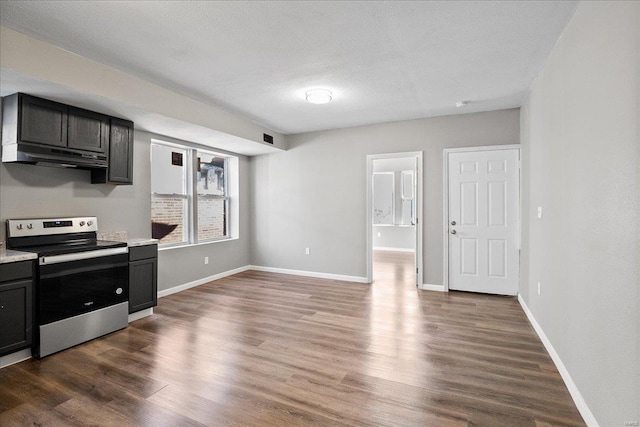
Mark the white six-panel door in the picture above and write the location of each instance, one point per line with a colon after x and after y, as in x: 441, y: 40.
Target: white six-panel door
x: 483, y: 197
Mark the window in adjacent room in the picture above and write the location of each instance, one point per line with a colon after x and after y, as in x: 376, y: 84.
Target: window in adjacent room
x: 193, y: 194
x: 211, y: 196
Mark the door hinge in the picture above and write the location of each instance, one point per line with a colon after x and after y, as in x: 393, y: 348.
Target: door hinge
x: 416, y: 270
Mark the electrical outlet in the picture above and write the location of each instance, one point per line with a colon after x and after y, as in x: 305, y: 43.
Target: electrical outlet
x: 538, y: 288
x: 206, y: 260
x: 306, y: 251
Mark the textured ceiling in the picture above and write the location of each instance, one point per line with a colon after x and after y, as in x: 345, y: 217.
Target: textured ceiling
x: 384, y: 61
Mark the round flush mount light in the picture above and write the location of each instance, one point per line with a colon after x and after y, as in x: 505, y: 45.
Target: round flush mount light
x: 461, y: 103
x: 318, y: 96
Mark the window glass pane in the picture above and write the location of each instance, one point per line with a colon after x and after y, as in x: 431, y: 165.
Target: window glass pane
x: 211, y: 174
x: 212, y: 218
x: 211, y: 192
x: 168, y: 169
x: 168, y: 219
x: 407, y: 184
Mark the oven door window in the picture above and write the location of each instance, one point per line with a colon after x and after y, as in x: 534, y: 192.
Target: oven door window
x: 70, y: 288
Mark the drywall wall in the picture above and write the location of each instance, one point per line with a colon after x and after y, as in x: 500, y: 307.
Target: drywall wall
x: 313, y: 195
x: 394, y: 237
x: 580, y: 135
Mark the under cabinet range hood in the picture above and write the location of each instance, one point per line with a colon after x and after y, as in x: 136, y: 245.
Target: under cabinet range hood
x: 44, y: 132
x: 49, y: 156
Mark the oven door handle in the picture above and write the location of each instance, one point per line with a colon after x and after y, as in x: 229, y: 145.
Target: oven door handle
x: 56, y: 259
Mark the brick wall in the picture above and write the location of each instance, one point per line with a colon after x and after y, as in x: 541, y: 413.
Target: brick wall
x: 169, y: 211
x: 211, y: 218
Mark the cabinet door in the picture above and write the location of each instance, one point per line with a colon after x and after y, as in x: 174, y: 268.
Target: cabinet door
x: 15, y: 316
x: 43, y: 121
x: 88, y: 131
x: 143, y: 284
x: 121, y: 152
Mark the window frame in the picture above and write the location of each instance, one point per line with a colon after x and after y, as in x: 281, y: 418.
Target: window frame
x: 190, y: 220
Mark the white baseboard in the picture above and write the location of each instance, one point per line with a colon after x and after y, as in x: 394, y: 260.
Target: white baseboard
x: 564, y: 373
x: 202, y: 281
x: 16, y: 357
x: 382, y: 248
x: 310, y: 274
x: 140, y: 314
x: 428, y: 287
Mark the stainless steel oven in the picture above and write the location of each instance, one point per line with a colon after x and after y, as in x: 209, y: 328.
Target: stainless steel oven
x: 82, y: 285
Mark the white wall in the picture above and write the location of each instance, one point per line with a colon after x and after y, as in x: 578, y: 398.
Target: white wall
x: 580, y: 135
x: 313, y: 195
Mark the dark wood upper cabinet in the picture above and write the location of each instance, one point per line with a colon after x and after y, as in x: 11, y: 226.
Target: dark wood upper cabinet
x: 120, y: 170
x: 88, y: 131
x: 42, y: 121
x: 36, y: 123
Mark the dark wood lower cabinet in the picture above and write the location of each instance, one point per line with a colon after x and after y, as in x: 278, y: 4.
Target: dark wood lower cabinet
x: 143, y: 277
x: 16, y: 306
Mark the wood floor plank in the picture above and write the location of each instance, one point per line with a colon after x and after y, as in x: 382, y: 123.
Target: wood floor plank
x: 265, y: 349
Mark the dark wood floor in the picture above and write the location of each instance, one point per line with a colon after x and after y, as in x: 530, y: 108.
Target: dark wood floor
x: 263, y: 349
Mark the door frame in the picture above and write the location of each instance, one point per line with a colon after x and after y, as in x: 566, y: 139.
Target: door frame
x: 418, y: 207
x: 445, y: 197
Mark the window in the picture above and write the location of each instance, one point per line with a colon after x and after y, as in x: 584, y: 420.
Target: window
x: 190, y: 194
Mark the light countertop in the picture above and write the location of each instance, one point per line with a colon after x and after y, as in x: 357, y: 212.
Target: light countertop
x: 141, y: 241
x: 7, y: 256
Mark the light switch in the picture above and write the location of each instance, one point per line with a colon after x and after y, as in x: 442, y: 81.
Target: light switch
x: 539, y: 212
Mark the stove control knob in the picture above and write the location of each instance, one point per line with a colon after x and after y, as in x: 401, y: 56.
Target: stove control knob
x: 29, y: 226
x: 81, y: 223
x: 90, y: 223
x: 19, y: 226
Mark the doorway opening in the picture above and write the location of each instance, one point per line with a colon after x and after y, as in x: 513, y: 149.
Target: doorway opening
x: 394, y: 226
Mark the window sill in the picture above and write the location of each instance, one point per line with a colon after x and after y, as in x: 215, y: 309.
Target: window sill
x: 191, y: 245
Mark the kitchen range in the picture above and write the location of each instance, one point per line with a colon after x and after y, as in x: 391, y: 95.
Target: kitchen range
x: 82, y: 283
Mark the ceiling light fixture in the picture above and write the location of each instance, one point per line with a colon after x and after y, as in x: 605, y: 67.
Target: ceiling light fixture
x: 461, y: 103
x: 318, y: 96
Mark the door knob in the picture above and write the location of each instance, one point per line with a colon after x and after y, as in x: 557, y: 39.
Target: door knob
x: 453, y: 231
x: 453, y: 223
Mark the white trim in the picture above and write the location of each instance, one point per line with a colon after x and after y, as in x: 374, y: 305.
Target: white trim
x: 419, y: 180
x: 584, y: 410
x: 13, y: 358
x: 140, y: 314
x: 202, y: 281
x: 316, y: 274
x: 445, y: 198
x: 429, y: 287
x: 383, y: 248
x: 482, y: 148
x: 170, y: 246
